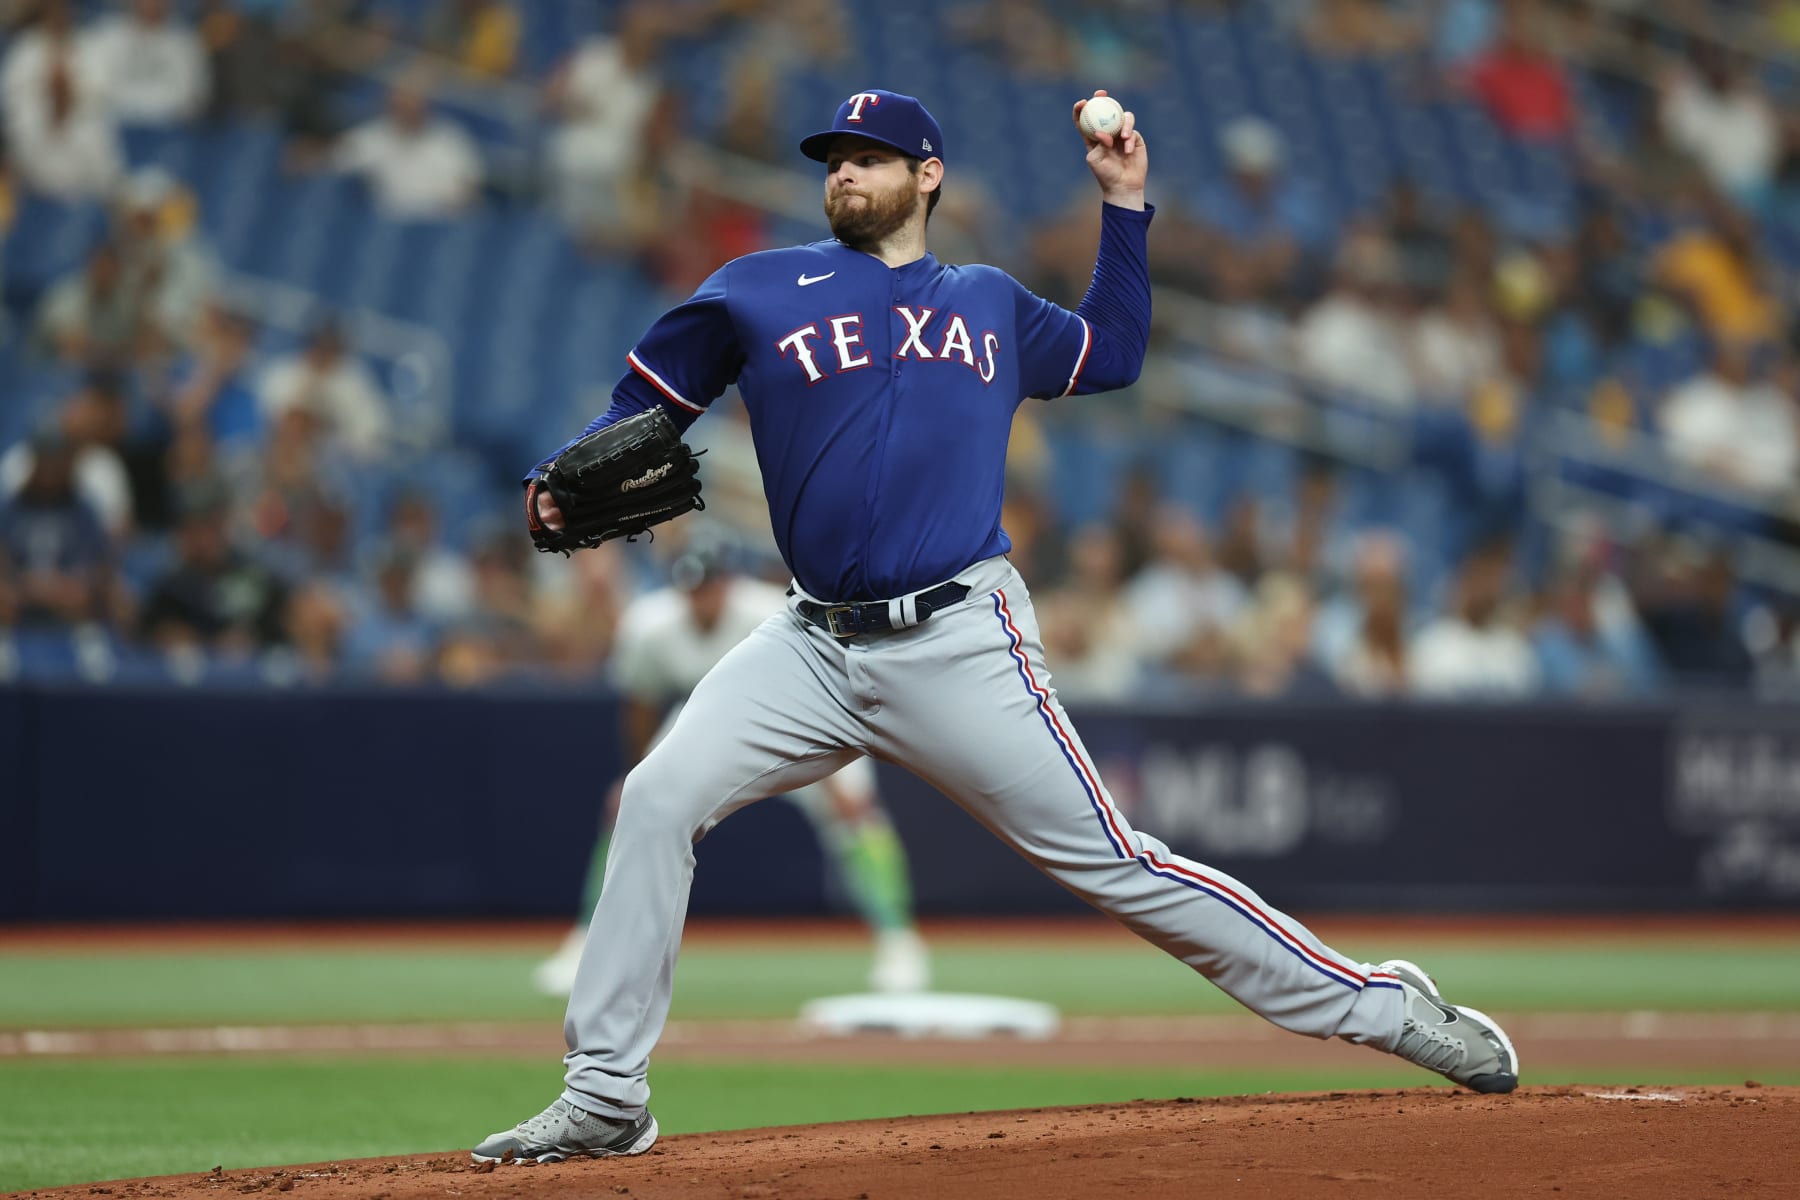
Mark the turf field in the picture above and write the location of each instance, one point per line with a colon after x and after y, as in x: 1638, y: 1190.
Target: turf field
x: 75, y: 1115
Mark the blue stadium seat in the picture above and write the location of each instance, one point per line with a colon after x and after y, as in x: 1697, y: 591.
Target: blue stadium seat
x: 1359, y: 495
x: 1197, y: 469
x: 1088, y: 466
x: 47, y: 241
x: 31, y: 388
x: 53, y: 654
x: 172, y: 149
x: 1422, y: 510
x: 142, y: 561
x: 460, y: 484
x: 234, y: 168
x: 554, y: 28
x: 395, y: 261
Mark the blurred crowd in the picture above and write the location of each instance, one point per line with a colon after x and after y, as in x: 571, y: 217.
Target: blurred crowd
x: 1653, y: 299
x: 192, y: 498
x: 1151, y: 605
x: 1654, y: 295
x: 204, y: 494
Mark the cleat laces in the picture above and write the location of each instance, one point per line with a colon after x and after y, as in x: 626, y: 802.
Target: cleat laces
x: 536, y: 1127
x: 1430, y: 1047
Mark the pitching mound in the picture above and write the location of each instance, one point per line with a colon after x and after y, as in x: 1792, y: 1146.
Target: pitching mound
x: 1566, y: 1141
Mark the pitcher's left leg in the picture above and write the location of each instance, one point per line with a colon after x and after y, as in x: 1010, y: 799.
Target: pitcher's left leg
x: 968, y: 707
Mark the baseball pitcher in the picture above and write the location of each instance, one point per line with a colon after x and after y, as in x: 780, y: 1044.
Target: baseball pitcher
x: 881, y: 386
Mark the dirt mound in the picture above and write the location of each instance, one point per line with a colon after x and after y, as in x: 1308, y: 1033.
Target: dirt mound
x: 1425, y: 1142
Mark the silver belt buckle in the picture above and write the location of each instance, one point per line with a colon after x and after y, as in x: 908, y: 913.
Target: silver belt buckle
x: 831, y: 621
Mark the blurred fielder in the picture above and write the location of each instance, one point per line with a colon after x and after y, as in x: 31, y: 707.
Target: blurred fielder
x: 667, y: 641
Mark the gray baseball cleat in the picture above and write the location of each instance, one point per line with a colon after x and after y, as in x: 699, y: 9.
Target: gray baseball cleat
x: 564, y: 1131
x: 1461, y: 1044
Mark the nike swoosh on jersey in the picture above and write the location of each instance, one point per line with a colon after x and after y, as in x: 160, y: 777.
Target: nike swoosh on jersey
x: 809, y: 280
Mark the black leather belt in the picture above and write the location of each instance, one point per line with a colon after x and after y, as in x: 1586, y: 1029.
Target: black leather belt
x: 872, y: 616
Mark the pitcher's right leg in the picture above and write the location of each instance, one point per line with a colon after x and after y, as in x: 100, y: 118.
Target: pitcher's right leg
x: 766, y: 720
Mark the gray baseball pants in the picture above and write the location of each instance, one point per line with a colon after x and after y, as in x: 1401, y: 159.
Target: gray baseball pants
x: 964, y: 701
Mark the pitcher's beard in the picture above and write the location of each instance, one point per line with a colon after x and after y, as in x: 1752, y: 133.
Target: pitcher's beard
x: 869, y: 224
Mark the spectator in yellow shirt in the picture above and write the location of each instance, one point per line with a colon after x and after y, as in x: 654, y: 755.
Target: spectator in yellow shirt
x: 1713, y: 267
x: 482, y: 35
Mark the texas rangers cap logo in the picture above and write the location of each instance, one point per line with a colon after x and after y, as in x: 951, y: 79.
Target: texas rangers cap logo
x: 886, y: 117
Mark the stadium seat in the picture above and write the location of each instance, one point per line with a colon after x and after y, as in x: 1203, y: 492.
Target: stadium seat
x: 48, y: 240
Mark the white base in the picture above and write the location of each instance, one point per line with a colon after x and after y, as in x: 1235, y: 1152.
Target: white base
x: 930, y: 1014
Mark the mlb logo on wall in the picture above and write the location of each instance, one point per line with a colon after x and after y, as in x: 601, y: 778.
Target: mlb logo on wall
x: 1735, y: 783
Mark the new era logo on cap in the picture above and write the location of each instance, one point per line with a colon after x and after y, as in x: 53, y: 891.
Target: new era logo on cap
x: 886, y: 117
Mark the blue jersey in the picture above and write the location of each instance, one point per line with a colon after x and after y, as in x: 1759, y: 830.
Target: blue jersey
x: 881, y: 398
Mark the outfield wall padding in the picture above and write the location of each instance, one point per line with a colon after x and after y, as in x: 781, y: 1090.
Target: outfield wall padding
x: 174, y: 804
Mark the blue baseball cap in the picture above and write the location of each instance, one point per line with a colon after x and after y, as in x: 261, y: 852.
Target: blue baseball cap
x: 885, y: 117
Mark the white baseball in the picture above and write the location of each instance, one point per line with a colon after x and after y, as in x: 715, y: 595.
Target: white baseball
x: 1102, y: 114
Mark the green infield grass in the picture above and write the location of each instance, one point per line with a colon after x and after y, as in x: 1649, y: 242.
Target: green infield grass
x: 91, y: 989
x: 84, y: 1120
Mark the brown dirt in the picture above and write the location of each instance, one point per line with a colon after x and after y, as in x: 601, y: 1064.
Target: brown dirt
x: 1566, y: 1142
x: 1616, y: 1045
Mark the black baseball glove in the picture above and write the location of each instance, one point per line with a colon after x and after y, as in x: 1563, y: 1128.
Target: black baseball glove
x: 616, y: 482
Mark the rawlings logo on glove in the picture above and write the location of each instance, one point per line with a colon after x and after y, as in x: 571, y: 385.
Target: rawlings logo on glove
x: 616, y: 482
x: 649, y: 477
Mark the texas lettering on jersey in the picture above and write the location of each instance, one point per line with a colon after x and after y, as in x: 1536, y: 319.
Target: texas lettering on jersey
x: 950, y: 341
x: 881, y: 399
